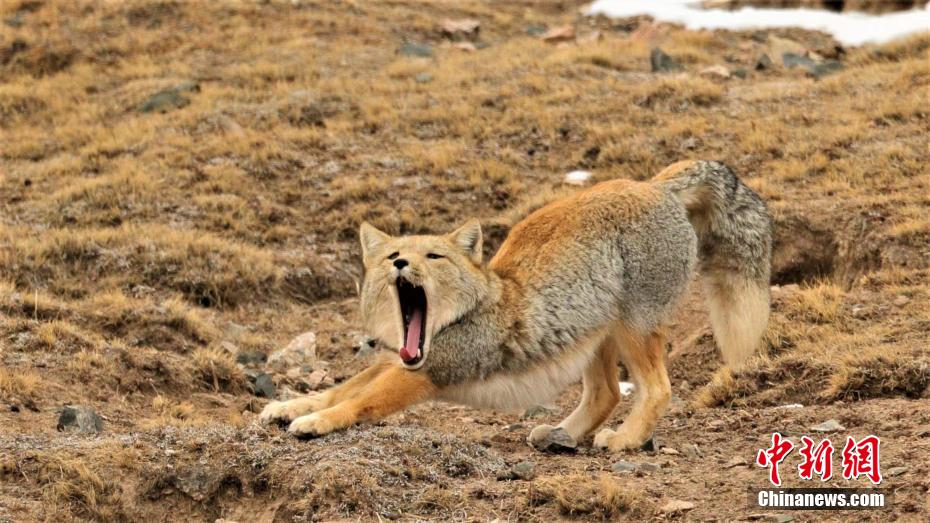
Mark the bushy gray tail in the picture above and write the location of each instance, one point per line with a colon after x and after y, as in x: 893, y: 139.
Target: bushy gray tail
x: 734, y: 248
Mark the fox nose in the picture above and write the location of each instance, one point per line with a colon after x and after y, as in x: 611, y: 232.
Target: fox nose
x: 400, y: 263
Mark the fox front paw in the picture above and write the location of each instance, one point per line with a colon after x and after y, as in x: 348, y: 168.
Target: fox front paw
x: 287, y: 411
x: 311, y: 426
x: 615, y: 441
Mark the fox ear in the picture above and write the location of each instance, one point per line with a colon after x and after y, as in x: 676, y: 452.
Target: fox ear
x: 370, y: 238
x: 468, y: 237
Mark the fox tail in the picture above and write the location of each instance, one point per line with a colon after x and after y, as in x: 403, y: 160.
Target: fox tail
x: 734, y: 250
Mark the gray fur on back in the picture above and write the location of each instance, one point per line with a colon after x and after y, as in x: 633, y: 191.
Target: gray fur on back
x: 614, y: 269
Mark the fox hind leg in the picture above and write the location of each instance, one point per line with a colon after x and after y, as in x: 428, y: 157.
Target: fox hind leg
x: 601, y: 394
x: 644, y: 358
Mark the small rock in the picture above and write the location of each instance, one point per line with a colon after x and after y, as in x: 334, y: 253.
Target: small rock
x: 316, y: 379
x: 557, y: 441
x: 468, y: 47
x: 539, y: 411
x: 82, y: 419
x: 790, y: 406
x: 164, y: 101
x: 677, y: 505
x: 741, y: 73
x: 895, y: 471
x: 623, y: 467
x: 535, y: 30
x: 662, y: 62
x: 423, y: 78
x: 670, y: 451
x: 826, y: 67
x: 562, y: 33
x: 736, y: 462
x: 648, y: 466
x: 717, y: 424
x: 716, y: 71
x: 689, y: 144
x: 901, y: 301
x: 627, y: 388
x: 262, y: 385
x: 251, y: 358
x: 416, y: 50
x: 460, y: 28
x: 831, y: 425
x: 577, y: 177
x: 299, y: 351
x: 525, y: 470
x: 513, y: 427
x: 763, y: 63
x: 792, y: 60
x: 229, y: 347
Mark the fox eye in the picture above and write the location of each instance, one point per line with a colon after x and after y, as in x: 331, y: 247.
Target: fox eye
x: 393, y: 255
x: 434, y: 256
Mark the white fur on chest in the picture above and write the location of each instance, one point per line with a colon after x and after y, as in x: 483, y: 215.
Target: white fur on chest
x: 535, y: 386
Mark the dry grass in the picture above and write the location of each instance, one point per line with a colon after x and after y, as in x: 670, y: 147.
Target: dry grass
x: 137, y: 248
x: 603, y: 497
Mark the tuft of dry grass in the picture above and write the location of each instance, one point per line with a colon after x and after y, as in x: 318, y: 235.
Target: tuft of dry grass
x: 577, y: 495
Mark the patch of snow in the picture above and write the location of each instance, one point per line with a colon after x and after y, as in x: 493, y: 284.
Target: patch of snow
x: 577, y: 177
x: 850, y: 28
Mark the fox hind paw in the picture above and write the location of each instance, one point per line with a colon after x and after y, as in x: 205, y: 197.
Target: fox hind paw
x: 538, y: 434
x: 615, y: 441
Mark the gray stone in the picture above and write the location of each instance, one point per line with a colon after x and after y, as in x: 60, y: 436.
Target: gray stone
x: 648, y: 466
x: 168, y: 99
x: 661, y: 62
x: 623, y: 467
x: 763, y: 62
x: 536, y: 30
x: 525, y: 470
x: 251, y: 358
x: 262, y: 385
x: 415, y: 49
x: 826, y: 67
x: 557, y: 441
x: 895, y: 471
x: 81, y: 419
x: 676, y: 505
x: 792, y: 60
x: 831, y: 425
x: 539, y: 411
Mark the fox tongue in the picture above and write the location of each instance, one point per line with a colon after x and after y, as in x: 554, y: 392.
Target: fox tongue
x: 412, y: 347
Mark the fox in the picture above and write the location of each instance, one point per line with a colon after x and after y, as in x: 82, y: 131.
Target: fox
x: 578, y: 287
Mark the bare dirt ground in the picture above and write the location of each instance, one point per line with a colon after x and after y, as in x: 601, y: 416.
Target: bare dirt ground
x: 181, y: 187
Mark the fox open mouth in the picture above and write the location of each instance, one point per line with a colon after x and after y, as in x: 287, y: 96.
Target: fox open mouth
x: 413, y: 312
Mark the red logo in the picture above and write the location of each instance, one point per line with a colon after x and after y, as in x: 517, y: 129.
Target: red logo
x: 816, y: 460
x: 774, y: 455
x: 862, y: 458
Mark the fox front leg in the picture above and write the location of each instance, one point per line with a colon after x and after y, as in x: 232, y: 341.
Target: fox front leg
x: 393, y: 390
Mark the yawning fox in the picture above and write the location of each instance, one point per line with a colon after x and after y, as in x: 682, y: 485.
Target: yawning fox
x: 578, y: 286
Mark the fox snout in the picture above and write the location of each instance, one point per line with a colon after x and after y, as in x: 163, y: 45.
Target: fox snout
x: 403, y: 270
